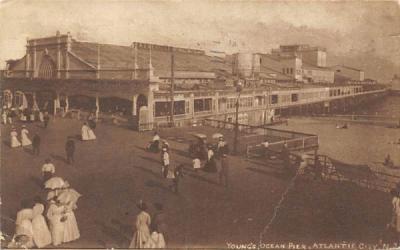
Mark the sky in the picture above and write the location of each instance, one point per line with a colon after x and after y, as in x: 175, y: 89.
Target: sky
x: 352, y: 29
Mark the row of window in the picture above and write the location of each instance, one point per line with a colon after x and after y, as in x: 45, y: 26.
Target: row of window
x: 207, y: 104
x: 288, y: 71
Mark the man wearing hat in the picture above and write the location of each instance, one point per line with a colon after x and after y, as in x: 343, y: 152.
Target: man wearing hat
x: 221, y: 146
x: 36, y: 144
x: 224, y: 171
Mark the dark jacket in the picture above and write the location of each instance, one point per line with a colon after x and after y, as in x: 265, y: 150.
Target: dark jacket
x: 70, y: 146
x: 36, y: 141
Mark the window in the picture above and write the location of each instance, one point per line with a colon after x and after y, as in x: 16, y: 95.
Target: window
x: 246, y: 102
x: 198, y: 105
x: 161, y: 109
x: 207, y: 104
x: 47, y: 68
x: 164, y: 108
x: 202, y: 105
x: 291, y: 71
x: 274, y: 99
x: 295, y: 97
x: 179, y: 107
x: 231, y: 103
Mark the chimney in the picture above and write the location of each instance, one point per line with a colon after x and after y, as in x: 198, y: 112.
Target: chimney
x: 58, y: 33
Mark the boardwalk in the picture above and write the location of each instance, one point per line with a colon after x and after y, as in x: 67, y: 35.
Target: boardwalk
x: 114, y: 172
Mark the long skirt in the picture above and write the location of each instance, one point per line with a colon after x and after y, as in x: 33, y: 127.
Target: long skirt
x: 25, y: 140
x: 156, y: 240
x: 41, y: 233
x: 396, y: 222
x: 71, y: 230
x: 85, y: 134
x: 210, y: 166
x: 91, y: 135
x: 140, y: 237
x: 57, y: 230
x: 14, y: 142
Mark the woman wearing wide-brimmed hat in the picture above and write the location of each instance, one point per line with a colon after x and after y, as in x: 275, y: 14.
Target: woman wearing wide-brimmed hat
x: 14, y: 140
x: 142, y: 224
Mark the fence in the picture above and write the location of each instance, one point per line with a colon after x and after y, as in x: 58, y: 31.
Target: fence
x: 251, y: 138
x: 361, y: 175
x: 375, y: 119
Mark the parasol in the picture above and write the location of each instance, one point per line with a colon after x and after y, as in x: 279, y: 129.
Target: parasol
x: 201, y: 136
x: 54, y: 183
x: 68, y: 195
x: 217, y: 136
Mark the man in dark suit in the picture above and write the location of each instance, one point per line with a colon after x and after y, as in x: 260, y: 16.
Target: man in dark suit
x: 36, y: 144
x: 223, y: 172
x: 46, y: 119
x: 70, y: 150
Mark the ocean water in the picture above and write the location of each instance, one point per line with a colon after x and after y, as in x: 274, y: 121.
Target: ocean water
x: 388, y: 106
x: 360, y: 143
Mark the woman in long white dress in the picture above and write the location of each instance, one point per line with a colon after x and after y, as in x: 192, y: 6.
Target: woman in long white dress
x: 24, y: 136
x: 41, y: 232
x: 71, y: 230
x: 396, y: 210
x: 91, y: 134
x: 25, y: 228
x: 85, y: 132
x: 142, y: 233
x: 23, y: 214
x: 14, y: 138
x: 55, y: 214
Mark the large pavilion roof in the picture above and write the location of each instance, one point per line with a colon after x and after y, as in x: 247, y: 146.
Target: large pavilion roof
x: 122, y: 57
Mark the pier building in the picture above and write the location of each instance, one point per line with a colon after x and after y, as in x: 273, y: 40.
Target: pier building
x: 132, y: 84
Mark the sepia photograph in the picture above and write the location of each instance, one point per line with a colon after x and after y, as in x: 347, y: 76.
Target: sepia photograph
x: 215, y: 124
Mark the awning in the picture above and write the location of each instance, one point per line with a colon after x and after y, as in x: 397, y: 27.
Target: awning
x: 103, y: 88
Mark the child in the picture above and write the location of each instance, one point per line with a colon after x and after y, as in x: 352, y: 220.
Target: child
x: 196, y: 164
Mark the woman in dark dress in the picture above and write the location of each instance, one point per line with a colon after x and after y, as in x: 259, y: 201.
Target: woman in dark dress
x: 210, y: 165
x: 159, y: 222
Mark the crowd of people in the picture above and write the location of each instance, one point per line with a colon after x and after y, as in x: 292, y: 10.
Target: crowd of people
x: 53, y: 222
x: 211, y: 158
x: 11, y: 115
x: 47, y: 223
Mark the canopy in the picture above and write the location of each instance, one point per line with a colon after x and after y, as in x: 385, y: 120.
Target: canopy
x: 217, y: 135
x: 54, y: 183
x: 68, y: 195
x: 201, y: 136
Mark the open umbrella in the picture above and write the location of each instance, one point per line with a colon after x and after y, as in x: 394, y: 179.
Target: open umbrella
x: 68, y: 195
x: 54, y: 183
x: 201, y: 136
x: 217, y: 136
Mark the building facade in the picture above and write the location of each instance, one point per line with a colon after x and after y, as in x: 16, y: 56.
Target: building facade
x: 133, y: 83
x: 347, y: 73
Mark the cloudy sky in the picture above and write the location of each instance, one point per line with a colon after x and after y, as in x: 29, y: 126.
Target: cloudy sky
x: 352, y: 29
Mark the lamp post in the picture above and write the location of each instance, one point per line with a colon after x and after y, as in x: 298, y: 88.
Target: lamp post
x: 238, y: 90
x: 172, y: 86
